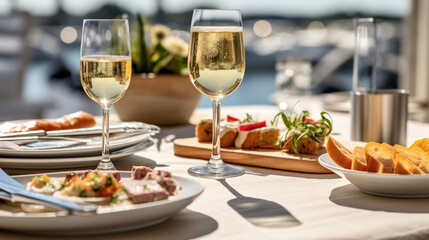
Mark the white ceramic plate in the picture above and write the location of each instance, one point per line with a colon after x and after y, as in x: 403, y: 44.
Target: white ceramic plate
x: 70, y: 162
x: 381, y: 184
x: 88, y: 149
x: 106, y: 220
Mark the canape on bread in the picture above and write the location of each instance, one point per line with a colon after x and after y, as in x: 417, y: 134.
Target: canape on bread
x: 305, y: 145
x: 303, y: 135
x: 257, y: 135
x: 203, y: 130
x: 228, y: 132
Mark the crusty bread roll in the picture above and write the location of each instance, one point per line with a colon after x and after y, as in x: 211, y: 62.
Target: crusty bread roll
x: 404, y: 165
x: 72, y: 121
x: 359, y: 161
x: 339, y: 154
x: 379, y: 157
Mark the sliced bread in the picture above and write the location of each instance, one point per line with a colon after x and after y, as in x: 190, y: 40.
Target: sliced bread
x: 405, y: 166
x: 379, y: 157
x: 359, y: 161
x: 416, y: 155
x: 339, y: 154
x: 423, y: 144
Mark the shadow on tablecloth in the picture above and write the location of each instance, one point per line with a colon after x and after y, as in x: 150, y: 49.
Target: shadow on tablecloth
x: 350, y: 196
x: 260, y: 212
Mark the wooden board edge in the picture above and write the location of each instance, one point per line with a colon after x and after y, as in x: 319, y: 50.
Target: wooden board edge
x: 253, y: 160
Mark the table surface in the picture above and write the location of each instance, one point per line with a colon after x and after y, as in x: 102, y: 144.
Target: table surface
x: 274, y: 204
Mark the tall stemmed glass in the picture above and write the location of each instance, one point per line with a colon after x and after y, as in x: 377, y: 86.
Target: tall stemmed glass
x: 216, y: 66
x: 105, y: 69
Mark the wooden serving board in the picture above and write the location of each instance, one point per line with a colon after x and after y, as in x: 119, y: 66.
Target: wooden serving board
x: 276, y: 159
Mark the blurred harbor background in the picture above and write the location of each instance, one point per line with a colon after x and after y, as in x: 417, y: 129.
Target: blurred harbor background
x: 40, y: 43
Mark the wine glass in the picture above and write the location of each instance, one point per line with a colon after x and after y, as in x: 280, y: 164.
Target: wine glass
x: 105, y: 69
x: 216, y: 65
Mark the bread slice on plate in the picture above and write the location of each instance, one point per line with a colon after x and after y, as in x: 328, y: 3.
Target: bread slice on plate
x: 416, y: 155
x: 359, y: 161
x: 405, y: 166
x: 423, y: 144
x: 379, y: 157
x: 339, y: 154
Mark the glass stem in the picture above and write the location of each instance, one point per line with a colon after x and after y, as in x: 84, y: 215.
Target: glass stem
x: 105, y: 163
x: 215, y: 163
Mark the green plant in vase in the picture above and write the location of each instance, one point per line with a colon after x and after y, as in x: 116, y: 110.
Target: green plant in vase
x: 156, y: 50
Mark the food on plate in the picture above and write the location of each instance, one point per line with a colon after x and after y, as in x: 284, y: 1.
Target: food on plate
x: 339, y: 154
x: 303, y: 135
x: 359, y: 161
x: 46, y: 185
x: 404, y: 166
x: 106, y: 187
x: 423, y: 144
x: 380, y: 158
x: 416, y: 155
x: 72, y: 121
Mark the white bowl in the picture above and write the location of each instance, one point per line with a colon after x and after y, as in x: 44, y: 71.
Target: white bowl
x: 381, y: 184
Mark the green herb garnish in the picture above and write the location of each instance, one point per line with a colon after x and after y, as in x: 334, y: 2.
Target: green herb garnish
x: 97, y: 186
x: 115, y: 196
x: 63, y: 184
x: 41, y: 181
x: 82, y: 193
x: 299, y: 128
x: 109, y: 181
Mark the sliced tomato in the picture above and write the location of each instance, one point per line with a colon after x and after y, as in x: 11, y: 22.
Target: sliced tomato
x: 250, y: 126
x: 231, y: 119
x: 309, y: 120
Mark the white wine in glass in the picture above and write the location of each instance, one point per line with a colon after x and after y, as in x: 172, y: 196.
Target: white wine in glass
x: 216, y: 66
x: 105, y: 69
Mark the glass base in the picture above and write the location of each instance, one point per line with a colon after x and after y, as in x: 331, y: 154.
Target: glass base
x: 227, y: 172
x: 106, y: 166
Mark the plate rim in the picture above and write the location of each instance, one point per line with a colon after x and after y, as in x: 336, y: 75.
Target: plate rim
x: 341, y: 169
x: 115, y: 155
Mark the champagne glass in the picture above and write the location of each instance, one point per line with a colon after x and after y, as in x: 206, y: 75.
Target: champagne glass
x: 216, y: 66
x: 105, y: 69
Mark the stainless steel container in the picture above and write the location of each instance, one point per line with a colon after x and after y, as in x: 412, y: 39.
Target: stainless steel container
x: 380, y: 116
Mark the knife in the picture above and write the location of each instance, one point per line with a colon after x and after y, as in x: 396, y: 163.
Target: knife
x: 18, y: 193
x: 124, y: 127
